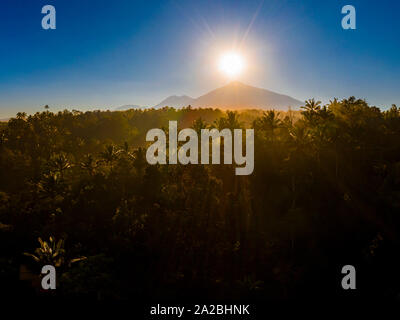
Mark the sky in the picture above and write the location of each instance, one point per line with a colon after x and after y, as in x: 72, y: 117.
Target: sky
x: 104, y: 54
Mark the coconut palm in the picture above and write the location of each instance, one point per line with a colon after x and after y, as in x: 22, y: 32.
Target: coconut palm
x: 52, y: 253
x: 88, y: 164
x: 231, y: 121
x: 198, y: 125
x: 60, y: 163
x: 311, y: 109
x: 268, y: 123
x: 110, y: 155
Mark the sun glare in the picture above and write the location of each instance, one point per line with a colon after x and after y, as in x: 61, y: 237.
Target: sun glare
x: 231, y: 64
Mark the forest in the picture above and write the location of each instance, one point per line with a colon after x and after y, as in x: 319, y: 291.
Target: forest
x: 77, y: 192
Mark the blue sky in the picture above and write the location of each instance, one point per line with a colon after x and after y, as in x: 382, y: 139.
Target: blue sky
x: 110, y: 53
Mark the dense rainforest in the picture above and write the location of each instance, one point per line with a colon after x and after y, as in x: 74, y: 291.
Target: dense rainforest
x: 325, y: 192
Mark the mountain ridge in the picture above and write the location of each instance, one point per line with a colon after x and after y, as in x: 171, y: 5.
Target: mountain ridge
x: 175, y: 101
x: 234, y: 95
x: 128, y: 107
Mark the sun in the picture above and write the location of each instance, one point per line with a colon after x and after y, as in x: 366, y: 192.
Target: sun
x: 231, y: 64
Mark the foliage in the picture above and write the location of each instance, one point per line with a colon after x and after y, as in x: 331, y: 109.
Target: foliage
x: 51, y: 253
x: 325, y: 192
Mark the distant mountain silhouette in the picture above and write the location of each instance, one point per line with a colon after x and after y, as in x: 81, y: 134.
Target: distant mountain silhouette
x: 175, y: 102
x: 129, y: 106
x: 235, y: 95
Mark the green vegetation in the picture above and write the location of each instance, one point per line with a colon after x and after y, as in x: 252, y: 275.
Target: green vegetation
x: 325, y: 192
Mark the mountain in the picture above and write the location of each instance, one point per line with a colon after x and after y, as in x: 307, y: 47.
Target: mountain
x: 129, y: 106
x: 236, y: 95
x: 175, y: 102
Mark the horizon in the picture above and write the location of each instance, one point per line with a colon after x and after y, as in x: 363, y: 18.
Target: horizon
x: 161, y: 105
x: 103, y: 56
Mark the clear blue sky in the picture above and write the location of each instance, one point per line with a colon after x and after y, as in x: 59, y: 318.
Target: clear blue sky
x: 110, y: 53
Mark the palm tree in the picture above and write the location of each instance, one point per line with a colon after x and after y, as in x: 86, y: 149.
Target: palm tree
x: 312, y: 105
x: 311, y: 109
x: 124, y: 152
x: 109, y: 155
x: 198, y: 125
x: 300, y: 136
x: 60, y: 163
x: 125, y: 148
x: 230, y: 122
x: 52, y: 253
x: 269, y: 122
x: 233, y: 120
x: 88, y: 164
